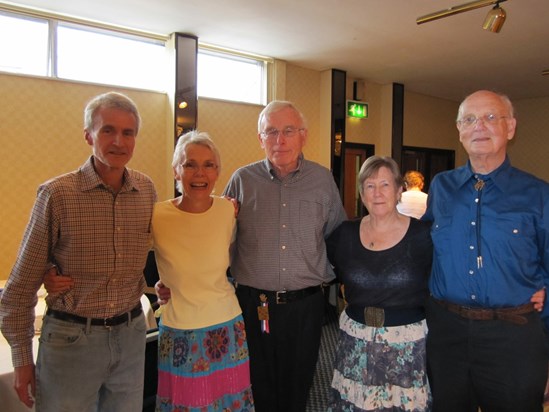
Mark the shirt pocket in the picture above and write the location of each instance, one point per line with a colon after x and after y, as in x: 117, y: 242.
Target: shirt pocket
x: 442, y: 235
x: 514, y: 235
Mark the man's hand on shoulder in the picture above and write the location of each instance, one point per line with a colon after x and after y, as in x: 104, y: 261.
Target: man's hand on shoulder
x: 235, y: 204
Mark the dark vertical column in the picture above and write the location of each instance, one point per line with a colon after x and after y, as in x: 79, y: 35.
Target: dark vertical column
x: 398, y: 122
x: 186, y: 99
x: 339, y: 112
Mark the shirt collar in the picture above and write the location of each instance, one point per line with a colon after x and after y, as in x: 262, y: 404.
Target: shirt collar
x: 272, y: 170
x: 91, y: 180
x: 500, y: 177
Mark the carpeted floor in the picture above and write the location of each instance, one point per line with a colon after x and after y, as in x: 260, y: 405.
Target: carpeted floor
x: 324, y: 368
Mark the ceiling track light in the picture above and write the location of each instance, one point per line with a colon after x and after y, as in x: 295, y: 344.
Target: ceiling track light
x: 494, y: 20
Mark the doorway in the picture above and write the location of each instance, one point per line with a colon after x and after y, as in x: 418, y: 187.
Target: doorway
x: 427, y: 161
x: 353, y: 154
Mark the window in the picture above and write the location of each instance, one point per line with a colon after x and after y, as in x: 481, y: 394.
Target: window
x: 32, y: 36
x: 48, y: 47
x: 231, y: 76
x: 97, y: 56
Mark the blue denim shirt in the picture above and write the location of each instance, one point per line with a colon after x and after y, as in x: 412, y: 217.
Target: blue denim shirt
x: 491, y: 246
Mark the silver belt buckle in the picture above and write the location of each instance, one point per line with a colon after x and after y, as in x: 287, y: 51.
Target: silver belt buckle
x: 374, y: 317
x: 279, y: 295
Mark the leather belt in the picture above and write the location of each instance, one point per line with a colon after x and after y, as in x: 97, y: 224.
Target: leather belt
x: 381, y: 317
x: 283, y: 296
x: 509, y: 314
x: 107, y: 322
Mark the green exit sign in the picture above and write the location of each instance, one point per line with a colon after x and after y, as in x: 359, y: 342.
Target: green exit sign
x: 357, y: 109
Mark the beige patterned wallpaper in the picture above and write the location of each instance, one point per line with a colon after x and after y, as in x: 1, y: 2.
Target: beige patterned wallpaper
x: 233, y: 127
x: 430, y: 122
x: 529, y: 150
x: 303, y: 88
x: 41, y: 135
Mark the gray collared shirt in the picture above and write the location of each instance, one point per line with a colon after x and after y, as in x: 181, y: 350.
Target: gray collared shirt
x: 282, y: 225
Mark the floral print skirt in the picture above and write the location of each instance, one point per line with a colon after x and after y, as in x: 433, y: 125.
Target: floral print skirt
x: 204, y: 369
x: 380, y: 369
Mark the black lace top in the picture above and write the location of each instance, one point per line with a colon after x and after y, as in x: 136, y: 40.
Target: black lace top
x: 392, y: 278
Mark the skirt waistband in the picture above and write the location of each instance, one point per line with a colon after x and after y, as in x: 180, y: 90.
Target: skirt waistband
x: 381, y: 317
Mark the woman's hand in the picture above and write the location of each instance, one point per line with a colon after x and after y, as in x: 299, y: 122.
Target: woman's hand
x: 538, y: 299
x: 163, y: 293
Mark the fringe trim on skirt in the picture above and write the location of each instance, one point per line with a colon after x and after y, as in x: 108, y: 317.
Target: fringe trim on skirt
x: 204, y: 369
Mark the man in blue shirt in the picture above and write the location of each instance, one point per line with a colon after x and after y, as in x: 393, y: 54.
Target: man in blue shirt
x: 486, y: 345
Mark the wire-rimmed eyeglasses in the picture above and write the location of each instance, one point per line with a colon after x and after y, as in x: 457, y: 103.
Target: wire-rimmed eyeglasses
x: 470, y: 120
x: 194, y: 167
x: 272, y: 134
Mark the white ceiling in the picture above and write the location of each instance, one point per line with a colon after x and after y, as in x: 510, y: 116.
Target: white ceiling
x: 372, y: 40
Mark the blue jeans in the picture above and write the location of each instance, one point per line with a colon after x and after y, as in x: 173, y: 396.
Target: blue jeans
x: 93, y: 368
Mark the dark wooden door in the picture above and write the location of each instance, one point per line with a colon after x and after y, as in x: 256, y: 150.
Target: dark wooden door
x: 427, y: 161
x: 354, y: 154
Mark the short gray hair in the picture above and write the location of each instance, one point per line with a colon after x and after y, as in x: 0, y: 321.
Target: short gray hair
x: 194, y: 137
x: 110, y: 100
x: 371, y: 166
x: 275, y: 106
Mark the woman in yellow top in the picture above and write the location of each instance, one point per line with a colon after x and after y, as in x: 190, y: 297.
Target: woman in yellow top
x: 203, y: 356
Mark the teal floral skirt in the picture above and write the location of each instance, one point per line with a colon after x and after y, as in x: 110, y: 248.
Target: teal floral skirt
x: 380, y: 369
x: 204, y: 369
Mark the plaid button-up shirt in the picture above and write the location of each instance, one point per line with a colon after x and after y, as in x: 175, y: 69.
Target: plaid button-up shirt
x: 98, y: 237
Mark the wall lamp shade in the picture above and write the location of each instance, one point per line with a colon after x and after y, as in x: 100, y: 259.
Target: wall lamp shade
x: 494, y: 19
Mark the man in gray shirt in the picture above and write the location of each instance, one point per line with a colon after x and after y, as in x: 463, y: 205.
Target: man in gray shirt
x: 288, y: 206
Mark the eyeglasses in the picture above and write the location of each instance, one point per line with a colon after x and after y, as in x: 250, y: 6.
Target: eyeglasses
x: 193, y: 167
x: 471, y: 120
x: 272, y: 134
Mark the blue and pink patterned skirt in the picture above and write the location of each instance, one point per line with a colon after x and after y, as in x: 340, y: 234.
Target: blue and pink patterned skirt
x: 204, y: 369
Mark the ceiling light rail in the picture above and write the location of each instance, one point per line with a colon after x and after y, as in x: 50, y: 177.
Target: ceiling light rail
x: 493, y: 21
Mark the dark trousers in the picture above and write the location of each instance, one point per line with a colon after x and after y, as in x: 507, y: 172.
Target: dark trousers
x: 282, y: 362
x: 496, y: 365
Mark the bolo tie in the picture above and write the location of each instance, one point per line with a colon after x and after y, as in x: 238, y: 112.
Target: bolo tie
x: 479, y: 185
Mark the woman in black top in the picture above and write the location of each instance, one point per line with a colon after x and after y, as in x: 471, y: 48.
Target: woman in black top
x: 383, y: 261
